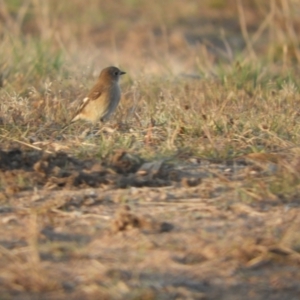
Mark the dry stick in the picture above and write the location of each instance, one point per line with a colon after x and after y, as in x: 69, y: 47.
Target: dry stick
x: 263, y: 26
x: 290, y: 28
x: 138, y: 118
x: 227, y: 46
x: 22, y: 13
x: 25, y: 144
x: 172, y: 138
x: 8, y: 19
x: 220, y: 51
x: 244, y: 29
x: 266, y: 22
x: 134, y: 107
x: 208, y: 135
x: 42, y: 16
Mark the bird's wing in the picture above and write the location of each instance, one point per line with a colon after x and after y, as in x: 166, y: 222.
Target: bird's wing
x: 94, y: 94
x: 83, y: 104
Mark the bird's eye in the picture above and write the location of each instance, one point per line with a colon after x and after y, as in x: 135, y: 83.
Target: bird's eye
x: 116, y: 73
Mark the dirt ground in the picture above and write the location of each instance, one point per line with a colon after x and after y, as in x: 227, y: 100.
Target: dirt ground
x: 124, y: 228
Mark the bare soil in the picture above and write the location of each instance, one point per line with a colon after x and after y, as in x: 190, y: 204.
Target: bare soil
x: 124, y: 228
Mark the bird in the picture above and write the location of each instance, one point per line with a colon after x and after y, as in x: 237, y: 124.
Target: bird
x: 103, y: 98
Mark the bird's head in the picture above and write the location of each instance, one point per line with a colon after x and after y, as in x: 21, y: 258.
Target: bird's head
x: 111, y: 73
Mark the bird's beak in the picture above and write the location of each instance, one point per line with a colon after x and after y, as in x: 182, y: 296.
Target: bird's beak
x: 122, y: 72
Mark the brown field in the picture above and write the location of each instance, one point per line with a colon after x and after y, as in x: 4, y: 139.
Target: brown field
x: 191, y: 190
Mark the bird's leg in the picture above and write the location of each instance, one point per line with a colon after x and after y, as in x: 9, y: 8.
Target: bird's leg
x: 93, y: 130
x: 88, y: 131
x: 100, y: 128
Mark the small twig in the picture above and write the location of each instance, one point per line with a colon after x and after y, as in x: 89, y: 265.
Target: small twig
x: 25, y: 144
x: 244, y: 29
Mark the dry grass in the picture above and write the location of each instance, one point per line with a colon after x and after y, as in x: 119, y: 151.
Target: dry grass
x: 210, y: 98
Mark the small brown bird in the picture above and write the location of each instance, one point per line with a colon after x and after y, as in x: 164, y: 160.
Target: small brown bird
x: 103, y: 98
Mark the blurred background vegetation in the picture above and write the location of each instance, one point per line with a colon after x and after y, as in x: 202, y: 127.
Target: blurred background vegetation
x: 158, y: 36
